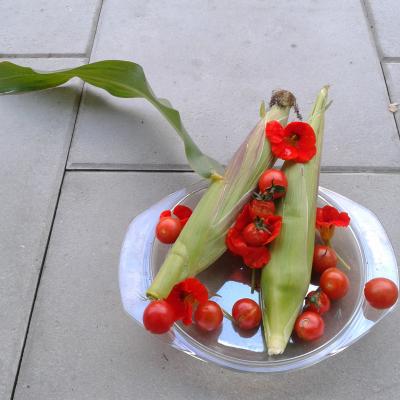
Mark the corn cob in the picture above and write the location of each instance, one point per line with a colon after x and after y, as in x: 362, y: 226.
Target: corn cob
x: 202, y: 240
x: 285, y: 280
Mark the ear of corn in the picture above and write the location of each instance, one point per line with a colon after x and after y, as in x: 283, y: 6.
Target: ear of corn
x: 285, y: 280
x: 202, y: 240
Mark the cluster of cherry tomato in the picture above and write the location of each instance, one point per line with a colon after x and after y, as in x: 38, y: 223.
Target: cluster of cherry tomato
x: 272, y: 185
x: 334, y: 284
x: 246, y: 315
x: 159, y: 317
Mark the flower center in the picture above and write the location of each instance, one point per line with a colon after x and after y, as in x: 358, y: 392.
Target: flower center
x: 188, y: 298
x: 292, y: 139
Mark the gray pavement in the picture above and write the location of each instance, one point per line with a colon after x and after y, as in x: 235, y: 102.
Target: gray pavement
x: 230, y: 56
x: 36, y: 132
x: 63, y: 334
x: 48, y: 28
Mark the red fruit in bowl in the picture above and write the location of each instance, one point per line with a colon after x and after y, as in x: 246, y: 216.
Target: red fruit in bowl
x: 255, y: 236
x: 158, y: 317
x: 273, y: 181
x: 208, y: 316
x: 261, y: 208
x: 324, y: 258
x: 168, y: 229
x: 247, y: 314
x: 318, y: 302
x: 309, y: 326
x: 334, y: 283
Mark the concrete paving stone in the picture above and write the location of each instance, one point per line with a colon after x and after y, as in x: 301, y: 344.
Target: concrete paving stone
x: 216, y: 61
x: 384, y: 17
x: 35, y: 134
x: 47, y: 27
x: 392, y: 74
x: 81, y: 345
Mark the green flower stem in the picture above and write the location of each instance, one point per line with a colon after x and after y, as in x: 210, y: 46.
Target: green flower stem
x: 344, y: 263
x: 340, y: 258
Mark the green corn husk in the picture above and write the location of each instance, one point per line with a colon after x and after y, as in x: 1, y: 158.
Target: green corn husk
x: 202, y: 241
x: 285, y: 280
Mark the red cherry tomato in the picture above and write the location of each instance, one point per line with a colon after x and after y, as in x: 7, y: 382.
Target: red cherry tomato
x: 324, y: 258
x: 247, y: 314
x: 309, y: 326
x: 158, y: 317
x: 273, y: 181
x: 208, y: 316
x: 261, y: 209
x: 381, y: 293
x: 168, y: 229
x: 318, y: 302
x: 334, y: 283
x: 254, y: 236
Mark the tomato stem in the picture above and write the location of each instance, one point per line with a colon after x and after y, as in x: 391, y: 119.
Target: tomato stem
x: 253, y: 280
x: 212, y: 293
x: 227, y: 315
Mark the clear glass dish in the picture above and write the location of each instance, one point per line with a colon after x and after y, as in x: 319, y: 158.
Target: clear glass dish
x: 365, y: 246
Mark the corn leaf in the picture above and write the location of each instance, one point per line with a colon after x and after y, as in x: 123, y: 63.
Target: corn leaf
x: 119, y: 78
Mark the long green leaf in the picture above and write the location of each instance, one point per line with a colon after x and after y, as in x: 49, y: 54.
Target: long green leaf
x: 119, y: 78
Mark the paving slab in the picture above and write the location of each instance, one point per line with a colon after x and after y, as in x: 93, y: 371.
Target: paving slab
x: 47, y: 27
x: 384, y: 17
x: 216, y: 61
x: 35, y: 135
x: 82, y: 346
x: 392, y: 74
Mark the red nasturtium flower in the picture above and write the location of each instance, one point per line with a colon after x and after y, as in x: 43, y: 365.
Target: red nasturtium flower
x: 295, y: 142
x: 182, y: 212
x: 253, y: 256
x: 184, y: 296
x: 327, y: 218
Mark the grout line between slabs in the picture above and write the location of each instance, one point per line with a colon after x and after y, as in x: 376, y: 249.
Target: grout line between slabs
x: 369, y: 18
x: 43, y: 55
x: 94, y: 32
x: 391, y: 60
x: 324, y: 170
x: 390, y: 98
x: 44, y: 258
x: 371, y: 27
x: 78, y: 102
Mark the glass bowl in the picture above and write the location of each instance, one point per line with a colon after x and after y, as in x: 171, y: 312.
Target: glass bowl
x: 364, y: 245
